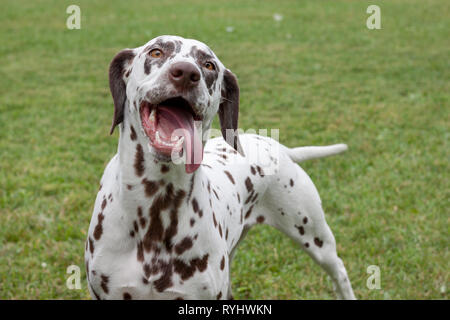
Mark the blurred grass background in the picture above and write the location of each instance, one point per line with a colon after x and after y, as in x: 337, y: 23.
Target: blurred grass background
x: 319, y: 75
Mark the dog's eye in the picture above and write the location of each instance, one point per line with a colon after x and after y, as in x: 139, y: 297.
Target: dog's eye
x: 210, y: 66
x: 155, y: 53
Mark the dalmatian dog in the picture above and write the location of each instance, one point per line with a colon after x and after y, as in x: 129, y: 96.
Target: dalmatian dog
x: 173, y: 205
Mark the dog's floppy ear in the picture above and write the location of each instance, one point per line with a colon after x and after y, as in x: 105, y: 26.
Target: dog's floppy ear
x: 117, y: 84
x: 229, y: 111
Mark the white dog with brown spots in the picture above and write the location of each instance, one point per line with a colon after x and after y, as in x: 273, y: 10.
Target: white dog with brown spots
x: 165, y: 230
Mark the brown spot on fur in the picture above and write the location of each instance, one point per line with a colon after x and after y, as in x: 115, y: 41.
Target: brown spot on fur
x: 164, y: 168
x: 167, y: 47
x: 150, y: 187
x: 139, y: 161
x: 133, y: 135
x: 222, y: 263
x: 104, y: 204
x: 192, y: 222
x: 155, y: 232
x: 140, y: 252
x: 99, y: 228
x: 178, y: 45
x: 291, y: 182
x: 318, y: 242
x: 142, y: 222
x: 104, y: 283
x: 250, y: 196
x: 195, y: 205
x: 214, y: 219
x: 91, y: 245
x: 171, y: 231
x: 229, y: 176
x: 253, y: 170
x: 247, y: 214
x: 220, y: 230
x: 301, y: 230
x: 260, y: 219
x: 184, y: 245
x: 219, y: 295
x: 126, y: 296
x: 305, y: 220
x: 147, y: 270
x: 260, y: 171
x: 187, y: 270
x: 202, y: 57
x: 307, y: 245
x: 165, y: 281
x: 147, y: 66
x: 249, y: 184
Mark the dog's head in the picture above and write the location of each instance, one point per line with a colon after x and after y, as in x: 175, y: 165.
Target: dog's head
x: 171, y: 88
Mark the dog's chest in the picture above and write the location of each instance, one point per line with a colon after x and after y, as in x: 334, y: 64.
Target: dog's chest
x: 162, y: 276
x: 166, y: 238
x: 164, y: 246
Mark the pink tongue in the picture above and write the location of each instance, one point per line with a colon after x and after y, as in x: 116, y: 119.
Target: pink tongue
x: 171, y: 119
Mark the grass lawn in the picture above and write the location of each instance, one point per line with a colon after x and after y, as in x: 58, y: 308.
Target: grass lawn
x: 318, y: 75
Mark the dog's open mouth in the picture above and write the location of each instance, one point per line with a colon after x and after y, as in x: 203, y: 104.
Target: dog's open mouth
x: 170, y: 127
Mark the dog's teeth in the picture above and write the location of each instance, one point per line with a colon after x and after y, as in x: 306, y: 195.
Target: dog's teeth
x: 152, y: 116
x: 157, y: 137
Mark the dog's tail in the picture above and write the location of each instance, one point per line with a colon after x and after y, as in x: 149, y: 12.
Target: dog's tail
x: 301, y: 154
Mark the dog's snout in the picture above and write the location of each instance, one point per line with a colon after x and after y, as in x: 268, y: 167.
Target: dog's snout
x: 184, y: 74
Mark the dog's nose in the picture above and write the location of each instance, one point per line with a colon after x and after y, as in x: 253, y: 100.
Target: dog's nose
x: 184, y: 74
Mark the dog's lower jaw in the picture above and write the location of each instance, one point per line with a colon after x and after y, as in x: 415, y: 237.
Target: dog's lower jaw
x: 140, y: 163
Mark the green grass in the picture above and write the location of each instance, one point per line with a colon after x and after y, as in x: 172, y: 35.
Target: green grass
x: 319, y: 75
